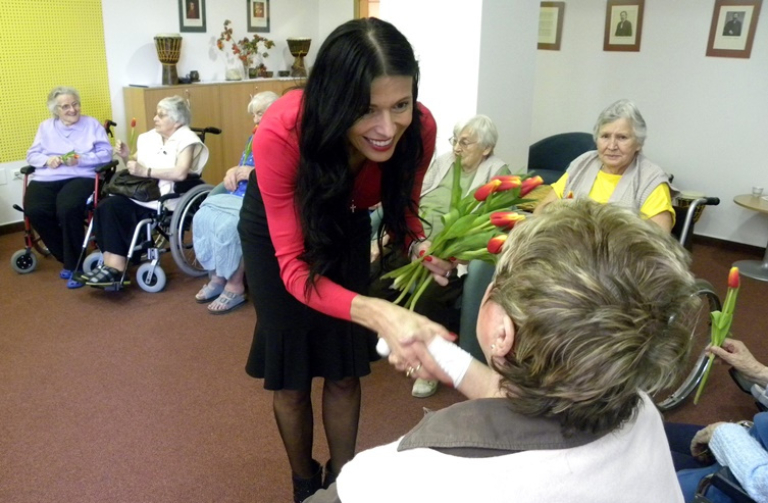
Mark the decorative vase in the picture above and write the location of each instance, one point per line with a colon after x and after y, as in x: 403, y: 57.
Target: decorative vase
x: 168, y: 46
x: 253, y: 73
x: 234, y: 70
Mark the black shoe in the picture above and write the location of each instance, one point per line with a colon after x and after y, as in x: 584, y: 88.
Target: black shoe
x: 304, y: 488
x: 330, y: 476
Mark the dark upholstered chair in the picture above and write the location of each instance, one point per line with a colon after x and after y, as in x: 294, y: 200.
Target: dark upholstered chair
x: 550, y: 157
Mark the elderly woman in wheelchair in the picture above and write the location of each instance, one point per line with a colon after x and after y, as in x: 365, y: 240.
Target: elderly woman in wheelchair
x: 65, y: 154
x: 473, y: 142
x: 575, y: 329
x: 168, y: 153
x: 618, y: 172
x: 215, y: 237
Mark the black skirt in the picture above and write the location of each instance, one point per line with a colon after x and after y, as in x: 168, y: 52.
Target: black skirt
x: 292, y: 343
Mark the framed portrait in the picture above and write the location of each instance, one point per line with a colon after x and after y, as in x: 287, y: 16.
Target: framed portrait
x: 733, y: 28
x: 258, y: 15
x: 551, y: 25
x: 192, y: 15
x: 623, y: 25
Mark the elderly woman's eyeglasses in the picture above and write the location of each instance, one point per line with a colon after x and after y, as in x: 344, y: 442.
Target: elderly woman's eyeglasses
x: 461, y: 143
x: 70, y: 106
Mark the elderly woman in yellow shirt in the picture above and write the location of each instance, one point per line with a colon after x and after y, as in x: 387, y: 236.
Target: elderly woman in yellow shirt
x: 617, y: 172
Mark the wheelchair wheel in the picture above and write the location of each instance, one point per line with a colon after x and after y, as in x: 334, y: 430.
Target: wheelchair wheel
x: 23, y: 261
x: 150, y: 277
x: 181, y: 230
x: 93, y: 261
x: 700, y: 338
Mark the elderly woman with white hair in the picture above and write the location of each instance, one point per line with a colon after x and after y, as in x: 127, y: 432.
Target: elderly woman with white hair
x: 473, y: 143
x: 618, y: 172
x: 168, y: 153
x: 214, y: 227
x: 65, y: 153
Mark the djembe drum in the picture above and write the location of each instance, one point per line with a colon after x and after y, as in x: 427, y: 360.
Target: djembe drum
x: 299, y: 48
x: 168, y: 47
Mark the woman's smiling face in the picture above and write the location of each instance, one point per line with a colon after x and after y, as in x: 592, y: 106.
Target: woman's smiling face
x: 67, y: 109
x: 375, y: 134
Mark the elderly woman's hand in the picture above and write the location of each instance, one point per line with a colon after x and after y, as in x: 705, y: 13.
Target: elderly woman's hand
x: 235, y: 175
x: 72, y: 160
x: 405, y: 332
x: 700, y: 443
x: 121, y: 149
x: 136, y: 169
x: 53, y: 162
x: 440, y: 269
x: 737, y: 355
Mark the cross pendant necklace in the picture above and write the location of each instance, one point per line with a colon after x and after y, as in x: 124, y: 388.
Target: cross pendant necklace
x: 352, y: 206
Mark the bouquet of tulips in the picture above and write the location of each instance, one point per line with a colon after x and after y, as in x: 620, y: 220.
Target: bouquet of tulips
x: 476, y: 227
x: 721, y: 324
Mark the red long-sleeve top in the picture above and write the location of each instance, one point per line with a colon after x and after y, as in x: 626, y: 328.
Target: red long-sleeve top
x: 276, y: 168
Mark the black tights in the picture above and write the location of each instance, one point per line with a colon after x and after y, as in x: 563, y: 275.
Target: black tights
x: 341, y: 417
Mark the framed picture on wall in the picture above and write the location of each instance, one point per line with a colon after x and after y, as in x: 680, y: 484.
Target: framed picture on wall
x: 258, y: 15
x: 733, y: 28
x: 551, y: 25
x: 192, y: 15
x: 623, y: 25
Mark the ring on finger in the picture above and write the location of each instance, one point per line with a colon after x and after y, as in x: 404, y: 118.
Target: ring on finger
x: 410, y: 371
x: 448, y: 273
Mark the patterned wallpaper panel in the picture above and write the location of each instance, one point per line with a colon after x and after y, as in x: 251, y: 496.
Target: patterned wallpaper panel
x: 44, y: 45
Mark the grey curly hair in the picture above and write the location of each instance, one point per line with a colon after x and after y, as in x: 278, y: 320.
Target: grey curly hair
x: 603, y: 305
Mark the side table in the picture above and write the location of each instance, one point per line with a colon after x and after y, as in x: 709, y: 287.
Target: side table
x: 753, y: 268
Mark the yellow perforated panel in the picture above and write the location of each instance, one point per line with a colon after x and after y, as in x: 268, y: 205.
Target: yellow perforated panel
x: 44, y: 45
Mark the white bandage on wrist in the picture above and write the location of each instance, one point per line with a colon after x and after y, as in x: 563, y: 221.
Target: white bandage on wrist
x: 451, y: 358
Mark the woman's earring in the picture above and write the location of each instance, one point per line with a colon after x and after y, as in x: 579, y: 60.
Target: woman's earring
x: 493, y: 347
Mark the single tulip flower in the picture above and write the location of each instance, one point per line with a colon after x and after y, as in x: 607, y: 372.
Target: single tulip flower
x: 486, y: 190
x: 496, y: 244
x: 529, y: 184
x: 505, y: 220
x: 733, y: 278
x: 721, y: 324
x: 507, y: 182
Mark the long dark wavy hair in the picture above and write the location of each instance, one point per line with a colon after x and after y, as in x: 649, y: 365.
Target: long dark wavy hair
x: 337, y: 94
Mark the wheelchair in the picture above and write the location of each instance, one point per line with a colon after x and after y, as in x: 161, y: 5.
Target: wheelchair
x: 166, y: 231
x: 24, y: 261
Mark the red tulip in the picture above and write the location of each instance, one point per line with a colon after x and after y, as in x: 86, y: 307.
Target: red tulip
x: 507, y: 182
x: 496, y: 244
x: 529, y: 184
x: 505, y: 220
x: 133, y: 122
x: 486, y: 190
x: 733, y: 278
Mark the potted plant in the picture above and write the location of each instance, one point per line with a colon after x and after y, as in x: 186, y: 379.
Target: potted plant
x: 247, y: 50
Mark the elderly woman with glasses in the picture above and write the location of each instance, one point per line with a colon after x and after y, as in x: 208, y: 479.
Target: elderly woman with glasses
x: 473, y: 143
x: 168, y: 153
x: 618, y: 172
x: 66, y: 152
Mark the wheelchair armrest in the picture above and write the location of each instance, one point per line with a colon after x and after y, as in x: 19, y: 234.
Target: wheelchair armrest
x: 27, y: 170
x: 724, y: 480
x: 168, y: 197
x: 110, y: 166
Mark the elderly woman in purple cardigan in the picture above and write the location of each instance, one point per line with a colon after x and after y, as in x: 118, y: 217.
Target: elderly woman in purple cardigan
x: 66, y: 152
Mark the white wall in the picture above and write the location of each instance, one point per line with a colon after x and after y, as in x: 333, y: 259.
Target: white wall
x: 706, y: 116
x: 448, y: 51
x: 132, y: 59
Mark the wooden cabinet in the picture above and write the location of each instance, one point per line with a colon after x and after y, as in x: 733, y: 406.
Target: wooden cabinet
x: 222, y: 105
